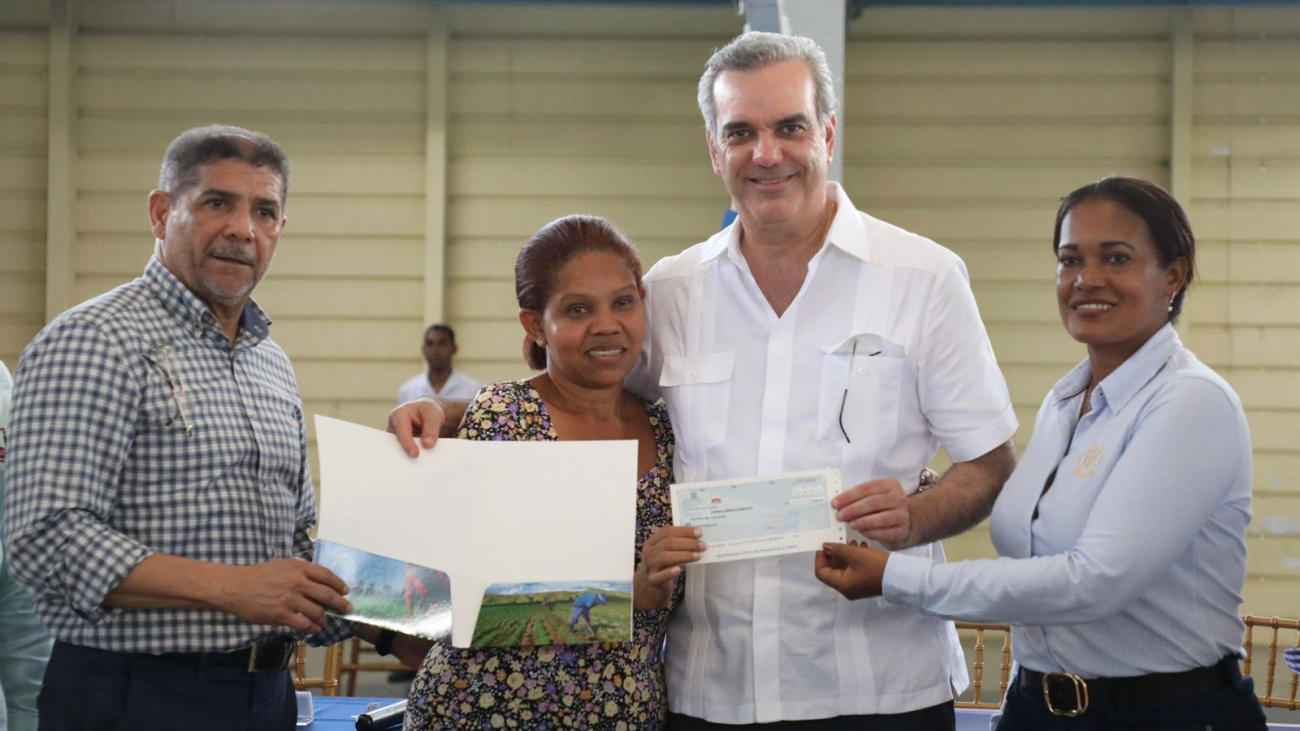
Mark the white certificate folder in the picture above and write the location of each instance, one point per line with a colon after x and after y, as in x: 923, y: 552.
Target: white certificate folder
x: 756, y: 517
x: 546, y: 518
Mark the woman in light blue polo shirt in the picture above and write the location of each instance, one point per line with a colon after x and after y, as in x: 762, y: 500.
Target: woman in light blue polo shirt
x: 1122, y: 531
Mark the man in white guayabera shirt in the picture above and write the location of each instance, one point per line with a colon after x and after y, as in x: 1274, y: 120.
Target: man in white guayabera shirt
x: 807, y: 335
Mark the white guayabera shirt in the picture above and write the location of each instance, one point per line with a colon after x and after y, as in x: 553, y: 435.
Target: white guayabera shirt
x: 880, y: 359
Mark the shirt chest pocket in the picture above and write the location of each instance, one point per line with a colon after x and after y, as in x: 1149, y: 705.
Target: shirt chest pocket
x: 180, y: 449
x: 698, y: 390
x: 182, y: 413
x: 862, y: 382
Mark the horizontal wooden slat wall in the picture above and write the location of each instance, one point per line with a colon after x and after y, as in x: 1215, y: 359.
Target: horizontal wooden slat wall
x: 966, y: 125
x: 345, y: 290
x: 1246, y: 186
x: 550, y: 117
x: 24, y: 89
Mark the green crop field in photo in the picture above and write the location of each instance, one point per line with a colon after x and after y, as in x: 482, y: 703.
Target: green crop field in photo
x: 525, y: 620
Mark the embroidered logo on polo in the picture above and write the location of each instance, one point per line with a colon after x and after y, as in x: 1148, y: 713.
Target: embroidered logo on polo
x: 1087, y: 463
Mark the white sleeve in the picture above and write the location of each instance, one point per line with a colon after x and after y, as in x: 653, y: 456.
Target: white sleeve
x: 963, y: 394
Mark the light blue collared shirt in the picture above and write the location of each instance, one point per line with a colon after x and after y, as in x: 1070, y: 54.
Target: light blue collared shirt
x: 1133, y: 562
x: 24, y: 643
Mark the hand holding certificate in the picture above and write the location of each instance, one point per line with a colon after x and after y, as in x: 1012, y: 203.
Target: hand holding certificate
x: 761, y: 516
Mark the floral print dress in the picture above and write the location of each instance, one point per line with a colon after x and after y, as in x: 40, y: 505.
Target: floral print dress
x: 617, y: 686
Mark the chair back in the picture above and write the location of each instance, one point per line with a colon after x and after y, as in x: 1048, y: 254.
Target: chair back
x: 1273, y: 692
x: 361, y: 657
x: 977, y: 676
x: 328, y: 683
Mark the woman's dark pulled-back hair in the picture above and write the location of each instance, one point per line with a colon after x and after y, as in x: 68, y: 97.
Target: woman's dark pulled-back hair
x: 1165, y: 219
x: 549, y: 250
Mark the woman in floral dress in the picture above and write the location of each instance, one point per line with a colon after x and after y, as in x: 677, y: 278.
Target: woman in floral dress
x: 580, y: 298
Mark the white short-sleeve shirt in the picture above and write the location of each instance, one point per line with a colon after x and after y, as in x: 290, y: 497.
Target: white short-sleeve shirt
x: 887, y: 316
x: 459, y: 385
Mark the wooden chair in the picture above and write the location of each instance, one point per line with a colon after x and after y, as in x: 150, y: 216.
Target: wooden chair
x: 977, y: 679
x: 355, y: 663
x: 1289, y: 627
x: 328, y: 683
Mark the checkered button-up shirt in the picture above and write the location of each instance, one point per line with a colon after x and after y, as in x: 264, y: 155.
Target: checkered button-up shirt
x: 138, y: 427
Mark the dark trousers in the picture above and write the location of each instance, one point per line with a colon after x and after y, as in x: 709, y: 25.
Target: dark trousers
x: 96, y: 690
x: 934, y: 718
x: 1228, y: 709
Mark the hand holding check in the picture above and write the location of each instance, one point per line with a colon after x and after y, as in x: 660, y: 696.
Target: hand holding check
x: 662, y: 558
x: 853, y: 570
x: 878, y: 509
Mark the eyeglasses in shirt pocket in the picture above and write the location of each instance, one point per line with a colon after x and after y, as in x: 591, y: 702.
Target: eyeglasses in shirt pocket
x: 861, y: 378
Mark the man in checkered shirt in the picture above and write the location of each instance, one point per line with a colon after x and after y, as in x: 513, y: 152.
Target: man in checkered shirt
x: 159, y: 494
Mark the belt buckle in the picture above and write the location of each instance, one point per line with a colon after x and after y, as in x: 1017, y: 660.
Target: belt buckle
x: 261, y: 650
x: 1080, y: 694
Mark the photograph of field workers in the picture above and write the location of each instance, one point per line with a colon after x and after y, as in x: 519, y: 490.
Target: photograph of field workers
x: 389, y: 593
x: 555, y: 613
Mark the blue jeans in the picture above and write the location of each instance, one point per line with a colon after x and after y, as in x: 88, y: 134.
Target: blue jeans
x: 96, y: 690
x: 580, y: 612
x: 1228, y: 709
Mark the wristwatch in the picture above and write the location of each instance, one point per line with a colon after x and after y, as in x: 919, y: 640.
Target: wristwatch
x: 384, y: 642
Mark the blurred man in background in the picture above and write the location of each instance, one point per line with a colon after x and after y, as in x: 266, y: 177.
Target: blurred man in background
x: 441, y: 380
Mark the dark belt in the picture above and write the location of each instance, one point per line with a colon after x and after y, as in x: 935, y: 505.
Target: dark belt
x: 266, y: 656
x: 1069, y: 695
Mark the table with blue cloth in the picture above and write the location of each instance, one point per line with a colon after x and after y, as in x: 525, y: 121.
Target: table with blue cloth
x: 338, y: 714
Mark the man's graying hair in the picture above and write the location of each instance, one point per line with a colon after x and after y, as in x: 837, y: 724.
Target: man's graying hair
x: 187, y: 154
x: 757, y: 49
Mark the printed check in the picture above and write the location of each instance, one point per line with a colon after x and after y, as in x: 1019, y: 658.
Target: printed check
x: 761, y: 516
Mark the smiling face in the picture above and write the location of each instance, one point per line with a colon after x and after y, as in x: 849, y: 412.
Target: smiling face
x: 593, y: 323
x: 1111, y: 288
x: 769, y: 147
x: 218, y: 237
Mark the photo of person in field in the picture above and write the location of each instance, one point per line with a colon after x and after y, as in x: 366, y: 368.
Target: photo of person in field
x: 582, y: 608
x: 554, y: 613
